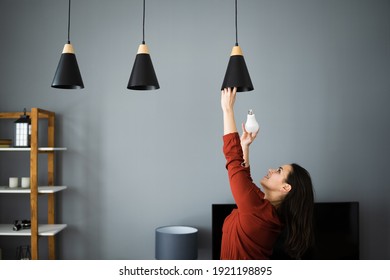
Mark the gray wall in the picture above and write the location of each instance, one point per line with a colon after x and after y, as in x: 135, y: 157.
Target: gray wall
x: 140, y: 160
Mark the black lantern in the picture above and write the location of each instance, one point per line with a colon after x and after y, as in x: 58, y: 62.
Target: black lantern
x: 23, y: 131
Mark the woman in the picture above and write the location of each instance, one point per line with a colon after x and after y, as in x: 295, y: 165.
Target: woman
x: 285, y: 204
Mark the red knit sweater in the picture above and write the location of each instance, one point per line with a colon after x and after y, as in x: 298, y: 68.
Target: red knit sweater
x: 251, y: 230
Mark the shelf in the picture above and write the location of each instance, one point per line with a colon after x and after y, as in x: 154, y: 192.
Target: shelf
x: 41, y: 149
x: 41, y: 189
x: 48, y: 148
x: 43, y: 230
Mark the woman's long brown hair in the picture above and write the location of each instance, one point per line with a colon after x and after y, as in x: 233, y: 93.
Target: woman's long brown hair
x: 296, y: 212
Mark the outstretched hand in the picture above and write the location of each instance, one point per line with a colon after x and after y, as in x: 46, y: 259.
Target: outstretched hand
x: 228, y: 98
x: 247, y: 137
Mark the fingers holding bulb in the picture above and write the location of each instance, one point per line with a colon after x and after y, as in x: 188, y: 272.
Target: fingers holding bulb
x: 252, y: 135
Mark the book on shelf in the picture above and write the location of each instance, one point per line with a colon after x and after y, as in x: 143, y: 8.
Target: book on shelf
x: 5, y: 143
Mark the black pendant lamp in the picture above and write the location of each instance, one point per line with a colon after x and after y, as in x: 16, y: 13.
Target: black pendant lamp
x: 68, y: 75
x: 237, y: 74
x: 143, y: 76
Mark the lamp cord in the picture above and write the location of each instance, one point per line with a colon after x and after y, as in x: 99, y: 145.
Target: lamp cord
x: 143, y: 25
x: 69, y: 23
x: 236, y: 23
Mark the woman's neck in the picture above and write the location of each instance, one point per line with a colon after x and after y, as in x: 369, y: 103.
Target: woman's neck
x: 273, y: 199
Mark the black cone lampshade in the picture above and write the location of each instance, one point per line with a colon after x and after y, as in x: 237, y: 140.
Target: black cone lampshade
x: 237, y: 74
x: 143, y: 76
x: 68, y: 75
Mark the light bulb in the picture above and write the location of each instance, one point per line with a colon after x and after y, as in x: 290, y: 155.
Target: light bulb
x: 251, y: 124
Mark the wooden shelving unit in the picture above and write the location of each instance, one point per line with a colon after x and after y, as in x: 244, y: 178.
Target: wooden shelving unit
x: 51, y: 228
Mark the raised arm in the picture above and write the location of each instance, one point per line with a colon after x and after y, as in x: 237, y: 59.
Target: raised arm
x: 228, y: 98
x: 241, y: 183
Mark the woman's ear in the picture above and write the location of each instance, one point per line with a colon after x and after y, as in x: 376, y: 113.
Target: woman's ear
x: 286, y: 188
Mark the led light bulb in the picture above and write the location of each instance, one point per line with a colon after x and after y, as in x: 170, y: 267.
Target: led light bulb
x: 251, y: 124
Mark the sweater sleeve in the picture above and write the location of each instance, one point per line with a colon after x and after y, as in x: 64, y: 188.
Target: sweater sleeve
x: 245, y: 193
